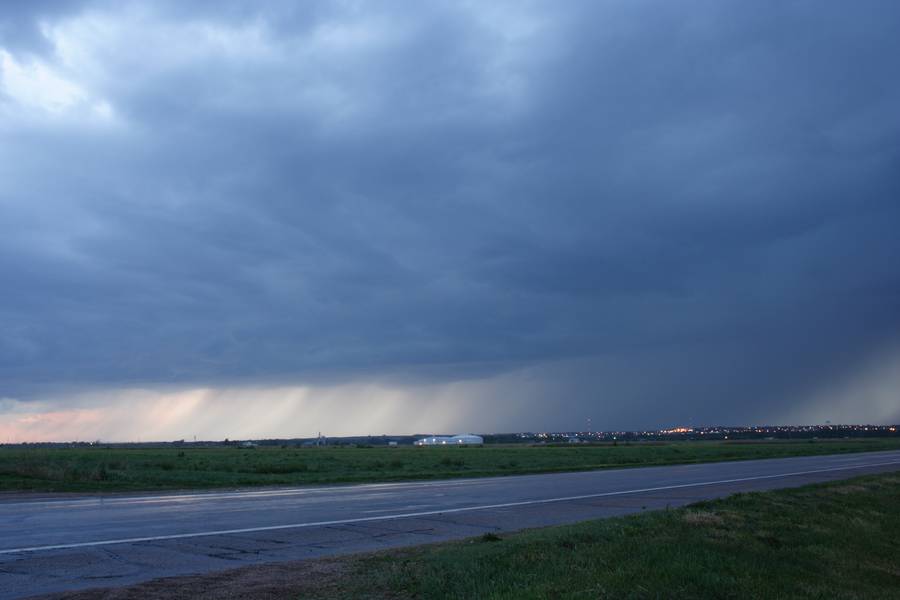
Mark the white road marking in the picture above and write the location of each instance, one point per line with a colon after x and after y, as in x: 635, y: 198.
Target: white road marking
x: 178, y: 536
x: 408, y: 507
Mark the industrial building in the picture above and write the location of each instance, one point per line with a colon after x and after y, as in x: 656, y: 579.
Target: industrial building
x: 461, y: 439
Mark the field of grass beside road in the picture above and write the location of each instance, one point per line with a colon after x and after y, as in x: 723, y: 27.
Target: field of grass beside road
x: 838, y: 540
x: 132, y: 469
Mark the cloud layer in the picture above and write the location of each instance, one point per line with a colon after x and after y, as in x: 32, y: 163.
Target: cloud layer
x: 641, y: 212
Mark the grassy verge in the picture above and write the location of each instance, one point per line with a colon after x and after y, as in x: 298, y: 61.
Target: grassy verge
x: 836, y: 540
x: 839, y: 540
x: 131, y: 469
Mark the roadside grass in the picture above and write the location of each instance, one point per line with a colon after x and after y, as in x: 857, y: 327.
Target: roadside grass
x: 100, y: 469
x: 837, y: 540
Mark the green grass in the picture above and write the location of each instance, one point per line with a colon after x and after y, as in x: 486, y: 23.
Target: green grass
x: 838, y: 540
x: 132, y: 469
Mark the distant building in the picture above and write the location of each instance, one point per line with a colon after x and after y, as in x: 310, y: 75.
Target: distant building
x: 462, y: 439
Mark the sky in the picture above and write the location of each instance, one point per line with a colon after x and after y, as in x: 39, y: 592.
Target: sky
x: 270, y: 219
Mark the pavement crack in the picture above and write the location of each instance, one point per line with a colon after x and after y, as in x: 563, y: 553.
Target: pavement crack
x: 233, y: 551
x: 449, y: 521
x: 119, y: 558
x: 367, y: 528
x: 269, y: 541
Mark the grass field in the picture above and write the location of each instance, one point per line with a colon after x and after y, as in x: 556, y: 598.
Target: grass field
x: 131, y: 469
x: 838, y: 540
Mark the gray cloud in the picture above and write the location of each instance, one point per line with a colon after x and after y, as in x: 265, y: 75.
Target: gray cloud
x: 661, y: 212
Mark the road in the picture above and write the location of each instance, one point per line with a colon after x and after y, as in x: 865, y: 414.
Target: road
x: 70, y: 543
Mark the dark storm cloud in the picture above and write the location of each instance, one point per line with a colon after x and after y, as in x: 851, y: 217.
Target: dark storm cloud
x: 693, y: 204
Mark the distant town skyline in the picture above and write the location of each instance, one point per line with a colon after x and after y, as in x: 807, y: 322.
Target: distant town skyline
x: 699, y: 433
x: 256, y: 220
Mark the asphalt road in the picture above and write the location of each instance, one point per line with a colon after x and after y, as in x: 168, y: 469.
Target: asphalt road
x: 82, y: 542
